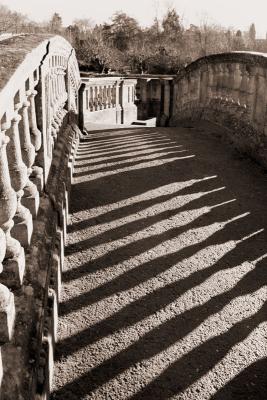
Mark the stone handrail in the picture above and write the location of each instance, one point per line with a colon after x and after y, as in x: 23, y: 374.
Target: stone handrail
x: 108, y: 99
x: 229, y: 89
x: 39, y: 83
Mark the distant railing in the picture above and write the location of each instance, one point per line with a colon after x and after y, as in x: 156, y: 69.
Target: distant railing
x: 229, y: 89
x: 108, y: 100
x: 39, y: 82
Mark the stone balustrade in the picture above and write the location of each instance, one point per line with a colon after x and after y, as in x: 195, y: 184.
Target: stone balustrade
x: 229, y: 89
x: 108, y: 100
x: 39, y: 84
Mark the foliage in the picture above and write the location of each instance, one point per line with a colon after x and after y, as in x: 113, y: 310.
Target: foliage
x: 10, y: 21
x: 56, y: 24
x: 122, y: 30
x: 252, y: 32
x: 95, y: 52
x: 171, y: 25
x: 122, y: 45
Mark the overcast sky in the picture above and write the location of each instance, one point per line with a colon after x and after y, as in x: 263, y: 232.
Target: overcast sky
x: 229, y: 13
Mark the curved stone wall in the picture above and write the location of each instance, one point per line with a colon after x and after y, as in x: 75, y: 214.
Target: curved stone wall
x: 39, y: 83
x: 229, y: 89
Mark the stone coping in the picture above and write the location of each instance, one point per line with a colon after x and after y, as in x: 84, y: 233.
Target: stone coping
x: 13, y: 52
x: 252, y: 59
x: 20, y: 56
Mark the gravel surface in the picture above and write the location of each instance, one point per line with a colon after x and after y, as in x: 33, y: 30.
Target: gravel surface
x: 164, y: 286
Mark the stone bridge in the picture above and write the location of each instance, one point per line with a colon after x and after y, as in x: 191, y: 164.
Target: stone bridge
x: 149, y: 240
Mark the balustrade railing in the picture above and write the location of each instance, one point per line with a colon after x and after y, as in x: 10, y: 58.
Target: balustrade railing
x: 36, y: 93
x: 229, y: 89
x: 109, y: 100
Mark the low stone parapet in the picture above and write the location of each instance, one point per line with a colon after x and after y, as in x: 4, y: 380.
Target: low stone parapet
x: 108, y: 100
x: 39, y: 83
x: 228, y: 89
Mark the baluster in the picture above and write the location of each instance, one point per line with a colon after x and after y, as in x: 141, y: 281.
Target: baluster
x: 91, y: 98
x: 22, y: 229
x: 204, y: 86
x: 224, y: 83
x: 218, y: 95
x: 109, y: 101
x: 106, y: 96
x: 214, y: 83
x: 60, y: 96
x: 100, y: 97
x: 190, y: 88
x: 64, y: 94
x: 54, y: 98
x: 96, y: 98
x: 227, y: 85
x: 36, y: 135
x: 244, y: 86
x: 260, y: 103
x: 209, y: 80
x: 197, y: 75
x: 14, y: 258
x: 103, y: 97
x: 7, y: 306
x: 186, y: 83
x: 237, y: 82
x: 30, y: 198
x: 54, y: 123
x: 115, y: 91
x: 251, y: 92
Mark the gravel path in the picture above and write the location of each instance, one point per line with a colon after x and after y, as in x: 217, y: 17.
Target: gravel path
x: 165, y: 276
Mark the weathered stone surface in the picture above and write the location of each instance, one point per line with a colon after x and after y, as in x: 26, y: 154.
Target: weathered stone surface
x: 7, y: 314
x: 39, y: 81
x: 228, y: 89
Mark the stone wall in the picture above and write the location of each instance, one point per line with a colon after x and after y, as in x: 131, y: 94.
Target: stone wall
x: 39, y: 83
x: 228, y: 89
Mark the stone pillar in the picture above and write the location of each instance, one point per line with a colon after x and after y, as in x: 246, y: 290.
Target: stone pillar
x: 166, y: 104
x: 142, y: 112
x: 22, y: 229
x: 14, y: 259
x: 82, y: 105
x: 167, y: 93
